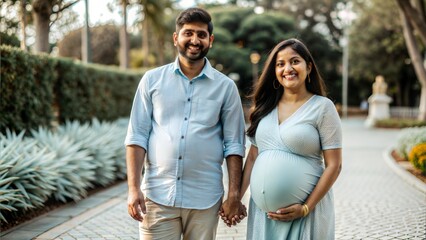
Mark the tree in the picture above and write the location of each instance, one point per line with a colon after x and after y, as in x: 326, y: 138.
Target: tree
x: 380, y: 50
x: 45, y: 13
x: 124, y: 37
x: 153, y: 12
x: 23, y: 22
x: 413, y: 17
x: 104, y: 40
x: 314, y: 15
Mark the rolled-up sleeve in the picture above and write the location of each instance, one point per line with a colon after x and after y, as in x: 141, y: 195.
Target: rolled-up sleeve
x: 232, y: 118
x: 140, y: 122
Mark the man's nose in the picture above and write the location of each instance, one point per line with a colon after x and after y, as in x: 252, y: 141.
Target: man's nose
x: 195, y: 40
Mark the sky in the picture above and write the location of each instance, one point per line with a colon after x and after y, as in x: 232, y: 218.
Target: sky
x: 99, y: 12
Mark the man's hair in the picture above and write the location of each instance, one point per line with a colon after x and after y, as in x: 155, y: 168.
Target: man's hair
x: 192, y: 15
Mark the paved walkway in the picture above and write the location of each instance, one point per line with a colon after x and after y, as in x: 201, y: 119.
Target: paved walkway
x: 374, y: 200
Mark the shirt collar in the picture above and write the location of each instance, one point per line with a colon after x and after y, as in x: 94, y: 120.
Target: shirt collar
x: 207, y: 70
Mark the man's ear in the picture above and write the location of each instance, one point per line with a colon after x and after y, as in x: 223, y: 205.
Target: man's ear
x: 175, y: 37
x: 211, y: 40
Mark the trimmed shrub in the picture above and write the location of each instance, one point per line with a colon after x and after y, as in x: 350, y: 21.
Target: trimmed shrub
x: 37, y: 90
x: 26, y: 90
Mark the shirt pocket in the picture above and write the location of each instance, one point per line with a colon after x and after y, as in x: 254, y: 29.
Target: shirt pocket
x: 207, y: 112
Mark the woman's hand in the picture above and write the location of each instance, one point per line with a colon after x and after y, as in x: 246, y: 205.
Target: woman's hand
x: 287, y: 214
x: 230, y: 219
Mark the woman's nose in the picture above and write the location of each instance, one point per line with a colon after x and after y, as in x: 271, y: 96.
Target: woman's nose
x: 288, y: 68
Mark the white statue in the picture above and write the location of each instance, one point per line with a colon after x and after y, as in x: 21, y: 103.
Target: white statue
x: 378, y: 102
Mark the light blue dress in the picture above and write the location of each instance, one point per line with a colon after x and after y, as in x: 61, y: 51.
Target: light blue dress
x: 289, y: 164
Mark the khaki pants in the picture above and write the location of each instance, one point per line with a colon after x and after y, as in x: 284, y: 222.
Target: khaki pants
x: 170, y: 223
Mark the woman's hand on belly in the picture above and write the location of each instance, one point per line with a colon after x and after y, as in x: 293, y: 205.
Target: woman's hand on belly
x: 287, y: 214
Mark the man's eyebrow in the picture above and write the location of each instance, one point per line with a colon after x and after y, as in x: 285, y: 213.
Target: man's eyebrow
x: 192, y: 30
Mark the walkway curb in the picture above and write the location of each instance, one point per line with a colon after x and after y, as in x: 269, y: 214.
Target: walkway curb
x: 404, y: 174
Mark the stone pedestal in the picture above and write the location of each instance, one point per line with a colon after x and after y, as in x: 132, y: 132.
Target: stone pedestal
x: 378, y: 102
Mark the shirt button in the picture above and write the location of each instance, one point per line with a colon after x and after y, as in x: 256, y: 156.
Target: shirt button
x: 190, y: 82
x: 263, y: 191
x: 182, y: 137
x: 180, y: 157
x: 189, y: 99
x: 178, y: 178
x: 186, y: 119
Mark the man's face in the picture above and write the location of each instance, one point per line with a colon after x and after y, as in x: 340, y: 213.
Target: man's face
x: 193, y: 41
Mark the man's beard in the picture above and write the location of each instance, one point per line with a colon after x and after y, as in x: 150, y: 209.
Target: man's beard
x: 193, y: 57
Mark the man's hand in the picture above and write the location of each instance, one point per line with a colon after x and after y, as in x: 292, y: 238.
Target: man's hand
x: 232, y: 212
x: 136, y: 204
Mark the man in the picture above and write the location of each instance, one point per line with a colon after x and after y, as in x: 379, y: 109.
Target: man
x: 187, y: 117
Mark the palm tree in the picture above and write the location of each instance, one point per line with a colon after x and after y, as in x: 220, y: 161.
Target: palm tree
x: 23, y: 22
x: 153, y: 16
x: 124, y: 37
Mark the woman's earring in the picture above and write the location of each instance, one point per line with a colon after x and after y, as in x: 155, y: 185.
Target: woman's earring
x: 309, y: 78
x: 273, y: 83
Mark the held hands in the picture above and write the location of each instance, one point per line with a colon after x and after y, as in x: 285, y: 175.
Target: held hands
x: 136, y: 205
x: 232, y: 212
x: 289, y: 213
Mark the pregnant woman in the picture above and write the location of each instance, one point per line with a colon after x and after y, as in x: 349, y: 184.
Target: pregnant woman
x: 296, y: 155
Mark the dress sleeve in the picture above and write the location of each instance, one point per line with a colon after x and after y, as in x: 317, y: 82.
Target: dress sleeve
x: 252, y: 141
x: 329, y: 127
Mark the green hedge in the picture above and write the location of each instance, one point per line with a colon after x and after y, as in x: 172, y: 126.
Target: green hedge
x: 38, y: 89
x: 26, y: 91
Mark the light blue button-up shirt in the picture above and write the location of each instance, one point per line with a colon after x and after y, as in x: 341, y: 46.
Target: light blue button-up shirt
x: 187, y: 128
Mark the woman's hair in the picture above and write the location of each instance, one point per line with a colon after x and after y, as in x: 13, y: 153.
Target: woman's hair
x: 265, y: 97
x: 192, y: 15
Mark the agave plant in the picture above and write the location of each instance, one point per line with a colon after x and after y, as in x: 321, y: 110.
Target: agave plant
x: 120, y: 129
x: 26, y: 176
x: 72, y: 163
x: 7, y: 194
x: 97, y: 139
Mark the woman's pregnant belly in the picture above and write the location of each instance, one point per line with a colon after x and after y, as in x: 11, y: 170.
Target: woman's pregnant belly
x: 280, y: 179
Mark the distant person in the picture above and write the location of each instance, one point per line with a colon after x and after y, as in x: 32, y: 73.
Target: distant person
x: 296, y: 151
x: 364, y: 105
x: 186, y: 117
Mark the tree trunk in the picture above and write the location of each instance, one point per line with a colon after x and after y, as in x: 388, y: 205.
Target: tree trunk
x: 124, y: 39
x: 23, y: 22
x: 417, y: 61
x: 161, y: 60
x: 41, y: 14
x: 145, y: 42
x: 86, y: 53
x: 414, y: 16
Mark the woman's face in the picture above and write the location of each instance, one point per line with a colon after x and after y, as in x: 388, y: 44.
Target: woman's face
x: 291, y: 69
